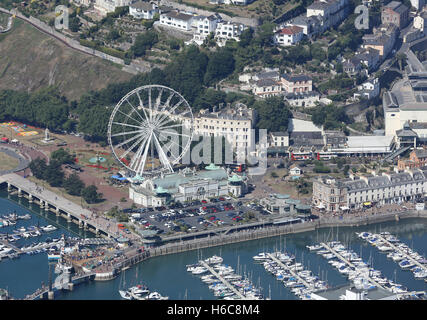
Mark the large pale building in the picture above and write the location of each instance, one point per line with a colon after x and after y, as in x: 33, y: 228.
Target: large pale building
x: 106, y: 6
x: 406, y: 103
x: 227, y: 30
x: 234, y: 123
x: 178, y: 20
x: 355, y: 192
x: 143, y: 10
x: 187, y: 185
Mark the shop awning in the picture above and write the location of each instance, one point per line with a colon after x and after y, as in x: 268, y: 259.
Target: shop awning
x: 321, y: 206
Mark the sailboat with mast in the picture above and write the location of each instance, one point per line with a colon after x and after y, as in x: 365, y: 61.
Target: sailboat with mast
x: 124, y: 293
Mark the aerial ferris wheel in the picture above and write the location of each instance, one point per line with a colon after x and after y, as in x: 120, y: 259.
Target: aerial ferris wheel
x: 150, y: 130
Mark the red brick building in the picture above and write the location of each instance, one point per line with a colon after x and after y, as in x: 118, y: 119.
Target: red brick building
x: 417, y: 159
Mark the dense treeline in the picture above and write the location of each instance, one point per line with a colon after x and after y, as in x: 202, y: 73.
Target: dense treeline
x: 44, y: 108
x: 55, y: 176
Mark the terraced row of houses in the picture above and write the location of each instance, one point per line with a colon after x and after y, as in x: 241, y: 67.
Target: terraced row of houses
x: 338, y: 195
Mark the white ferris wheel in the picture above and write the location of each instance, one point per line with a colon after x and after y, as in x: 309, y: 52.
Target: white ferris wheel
x: 150, y: 130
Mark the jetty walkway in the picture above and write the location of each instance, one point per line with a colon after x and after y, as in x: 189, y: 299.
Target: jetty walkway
x: 295, y: 274
x: 402, y: 252
x: 350, y: 264
x: 232, y: 288
x: 63, y: 282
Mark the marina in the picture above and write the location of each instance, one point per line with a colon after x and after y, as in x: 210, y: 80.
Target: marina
x: 294, y: 276
x: 399, y: 252
x: 362, y: 275
x: 224, y: 281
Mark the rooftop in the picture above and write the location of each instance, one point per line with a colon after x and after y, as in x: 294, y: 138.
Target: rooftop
x: 290, y: 30
x: 297, y: 125
x: 295, y: 78
x: 143, y: 5
x: 179, y: 15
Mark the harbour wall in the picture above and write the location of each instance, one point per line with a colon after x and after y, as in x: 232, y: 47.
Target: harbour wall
x: 272, y: 231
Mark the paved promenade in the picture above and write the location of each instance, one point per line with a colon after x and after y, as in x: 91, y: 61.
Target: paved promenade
x: 62, y: 203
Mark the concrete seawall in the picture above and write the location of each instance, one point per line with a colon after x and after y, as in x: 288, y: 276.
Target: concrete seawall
x: 267, y: 232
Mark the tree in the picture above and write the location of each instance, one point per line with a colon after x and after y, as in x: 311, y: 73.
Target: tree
x: 369, y: 118
x: 90, y: 194
x: 209, y: 99
x: 73, y: 185
x: 144, y: 42
x: 186, y: 73
x: 74, y: 24
x: 62, y: 156
x: 220, y: 65
x: 273, y: 114
x: 246, y: 37
x: 54, y: 174
x: 38, y: 167
x: 264, y: 37
x: 401, y: 58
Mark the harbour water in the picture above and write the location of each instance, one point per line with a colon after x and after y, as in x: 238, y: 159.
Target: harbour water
x: 25, y: 274
x: 168, y: 275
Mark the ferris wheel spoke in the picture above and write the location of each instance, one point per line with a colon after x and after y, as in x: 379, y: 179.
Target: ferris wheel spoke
x: 129, y: 125
x: 129, y: 140
x: 126, y: 132
x: 168, y: 148
x: 168, y: 101
x: 134, y: 160
x: 143, y: 120
x: 142, y: 105
x: 158, y: 100
x: 163, y: 157
x: 171, y: 111
x: 127, y: 115
x: 173, y: 142
x: 149, y: 104
x: 133, y: 146
x: 165, y: 106
x: 144, y: 156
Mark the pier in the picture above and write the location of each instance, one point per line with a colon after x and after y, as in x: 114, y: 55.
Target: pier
x: 61, y: 283
x: 324, y: 245
x: 232, y: 288
x: 59, y: 205
x: 295, y: 274
x: 402, y: 252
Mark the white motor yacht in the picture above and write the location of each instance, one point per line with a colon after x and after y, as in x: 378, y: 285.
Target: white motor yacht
x: 261, y: 257
x: 214, y: 260
x: 125, y: 295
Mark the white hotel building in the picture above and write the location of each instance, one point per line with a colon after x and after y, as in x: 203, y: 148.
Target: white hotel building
x: 178, y: 20
x: 228, y: 31
x: 235, y: 124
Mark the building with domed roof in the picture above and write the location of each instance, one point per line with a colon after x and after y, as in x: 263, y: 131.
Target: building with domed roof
x: 187, y: 185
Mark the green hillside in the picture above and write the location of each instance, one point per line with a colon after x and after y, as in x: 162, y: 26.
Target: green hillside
x: 30, y: 60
